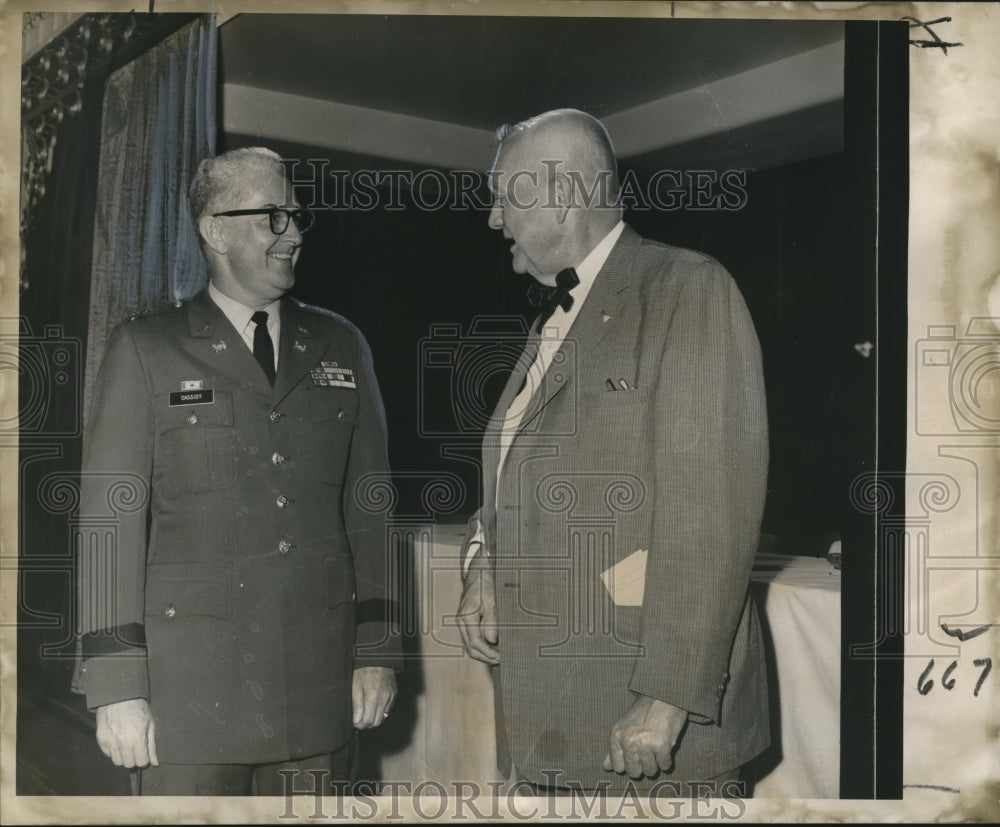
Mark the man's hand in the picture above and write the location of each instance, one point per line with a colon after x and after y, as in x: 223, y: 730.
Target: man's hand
x: 643, y: 739
x: 373, y: 691
x: 126, y: 733
x: 477, y: 615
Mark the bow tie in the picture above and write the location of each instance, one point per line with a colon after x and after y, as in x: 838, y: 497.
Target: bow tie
x: 547, y: 299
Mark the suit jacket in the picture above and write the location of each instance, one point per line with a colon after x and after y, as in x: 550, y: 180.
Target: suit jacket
x: 233, y: 560
x: 676, y: 467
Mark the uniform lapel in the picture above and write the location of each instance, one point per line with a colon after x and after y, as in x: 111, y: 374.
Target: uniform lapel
x: 217, y: 343
x: 599, y: 314
x: 299, y: 350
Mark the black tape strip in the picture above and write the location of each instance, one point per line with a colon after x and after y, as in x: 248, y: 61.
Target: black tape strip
x: 128, y: 637
x: 377, y: 610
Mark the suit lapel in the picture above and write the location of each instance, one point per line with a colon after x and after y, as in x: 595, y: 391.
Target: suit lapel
x: 599, y: 314
x: 491, y: 442
x: 299, y: 351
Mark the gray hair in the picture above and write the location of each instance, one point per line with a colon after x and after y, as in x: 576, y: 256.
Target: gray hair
x: 218, y: 182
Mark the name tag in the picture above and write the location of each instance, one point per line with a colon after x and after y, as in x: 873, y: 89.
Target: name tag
x: 199, y: 397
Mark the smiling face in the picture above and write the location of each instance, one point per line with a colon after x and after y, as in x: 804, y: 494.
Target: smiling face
x: 254, y: 266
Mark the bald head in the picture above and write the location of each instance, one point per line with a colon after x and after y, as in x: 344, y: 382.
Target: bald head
x: 571, y: 142
x: 557, y: 192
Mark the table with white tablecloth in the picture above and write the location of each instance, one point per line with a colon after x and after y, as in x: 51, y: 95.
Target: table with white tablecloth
x: 451, y: 726
x: 800, y: 598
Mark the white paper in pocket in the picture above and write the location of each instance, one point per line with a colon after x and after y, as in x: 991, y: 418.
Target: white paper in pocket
x: 626, y: 580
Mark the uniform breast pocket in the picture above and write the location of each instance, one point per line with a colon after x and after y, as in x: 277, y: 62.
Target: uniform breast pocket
x: 196, y: 444
x: 334, y: 417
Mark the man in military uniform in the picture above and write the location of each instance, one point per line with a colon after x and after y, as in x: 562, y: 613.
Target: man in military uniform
x: 237, y: 624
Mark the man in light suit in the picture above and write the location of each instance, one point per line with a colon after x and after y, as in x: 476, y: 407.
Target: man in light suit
x: 624, y: 474
x: 238, y: 623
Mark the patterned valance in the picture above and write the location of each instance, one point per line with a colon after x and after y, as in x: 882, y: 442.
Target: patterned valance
x: 52, y: 84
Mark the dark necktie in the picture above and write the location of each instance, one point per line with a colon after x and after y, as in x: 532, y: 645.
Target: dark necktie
x: 547, y: 299
x: 263, y: 348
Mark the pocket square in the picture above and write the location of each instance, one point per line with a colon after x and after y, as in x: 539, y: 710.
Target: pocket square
x: 626, y: 580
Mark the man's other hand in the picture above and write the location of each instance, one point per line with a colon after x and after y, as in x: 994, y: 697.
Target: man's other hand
x: 126, y: 733
x: 643, y: 739
x: 373, y: 691
x: 477, y: 615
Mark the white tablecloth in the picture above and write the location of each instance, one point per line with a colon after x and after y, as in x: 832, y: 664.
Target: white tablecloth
x: 453, y: 736
x: 800, y: 597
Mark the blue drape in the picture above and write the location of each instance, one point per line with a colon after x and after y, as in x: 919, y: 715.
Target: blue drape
x: 159, y: 122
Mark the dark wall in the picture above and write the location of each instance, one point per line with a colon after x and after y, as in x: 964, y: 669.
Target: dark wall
x: 401, y: 276
x: 397, y: 272
x: 785, y: 248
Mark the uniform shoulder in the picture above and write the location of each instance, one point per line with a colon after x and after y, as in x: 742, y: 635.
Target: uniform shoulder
x: 330, y: 322
x: 153, y: 320
x: 155, y: 312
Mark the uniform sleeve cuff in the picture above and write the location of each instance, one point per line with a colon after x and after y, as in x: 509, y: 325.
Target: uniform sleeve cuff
x: 113, y: 678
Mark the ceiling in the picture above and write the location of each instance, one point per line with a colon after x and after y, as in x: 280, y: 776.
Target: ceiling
x: 436, y: 87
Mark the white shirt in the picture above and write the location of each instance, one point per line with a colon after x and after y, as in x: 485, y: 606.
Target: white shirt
x: 239, y: 317
x: 553, y: 334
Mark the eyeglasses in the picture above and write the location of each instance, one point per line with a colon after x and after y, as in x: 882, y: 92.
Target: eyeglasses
x: 303, y: 218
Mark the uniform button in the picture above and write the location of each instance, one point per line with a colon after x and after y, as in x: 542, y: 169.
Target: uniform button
x: 277, y: 458
x: 340, y: 414
x: 284, y: 547
x: 170, y: 611
x: 283, y: 501
x: 275, y: 416
x: 248, y: 658
x: 193, y: 419
x: 254, y: 627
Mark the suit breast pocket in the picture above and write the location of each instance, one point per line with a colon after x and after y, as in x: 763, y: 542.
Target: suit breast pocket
x: 196, y: 444
x: 612, y: 399
x: 334, y: 414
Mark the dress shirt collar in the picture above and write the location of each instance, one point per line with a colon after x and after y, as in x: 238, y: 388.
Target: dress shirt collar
x: 588, y: 269
x: 239, y: 314
x: 561, y: 320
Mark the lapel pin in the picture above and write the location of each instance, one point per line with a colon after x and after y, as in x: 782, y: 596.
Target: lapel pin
x: 219, y: 346
x: 303, y: 329
x: 605, y: 317
x: 192, y: 385
x: 301, y: 348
